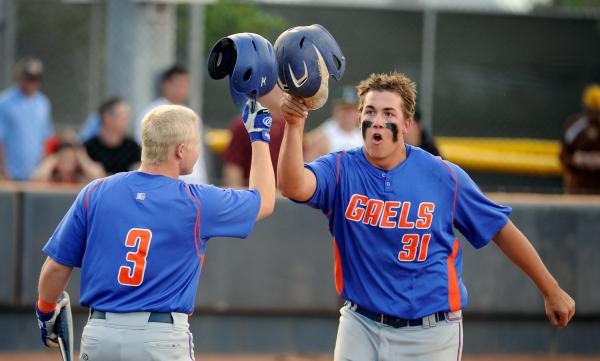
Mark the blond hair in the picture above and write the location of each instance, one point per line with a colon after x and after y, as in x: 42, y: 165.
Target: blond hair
x: 163, y: 127
x: 394, y: 82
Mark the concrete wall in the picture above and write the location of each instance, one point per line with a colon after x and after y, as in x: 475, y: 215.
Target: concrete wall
x: 275, y: 289
x: 8, y: 246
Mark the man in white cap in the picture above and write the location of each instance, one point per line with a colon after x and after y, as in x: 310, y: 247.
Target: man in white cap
x: 25, y: 122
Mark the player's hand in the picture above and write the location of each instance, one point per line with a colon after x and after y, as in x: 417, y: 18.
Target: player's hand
x: 560, y: 308
x: 46, y: 323
x: 294, y: 110
x: 257, y: 120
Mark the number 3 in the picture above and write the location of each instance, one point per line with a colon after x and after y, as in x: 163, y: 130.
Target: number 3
x: 134, y: 276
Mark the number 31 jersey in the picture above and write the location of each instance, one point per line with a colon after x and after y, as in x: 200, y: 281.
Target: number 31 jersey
x: 394, y: 244
x: 140, y: 239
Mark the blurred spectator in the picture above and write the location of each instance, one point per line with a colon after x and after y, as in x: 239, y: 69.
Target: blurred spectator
x: 64, y: 135
x: 175, y: 89
x: 90, y: 127
x: 420, y: 137
x: 237, y: 157
x: 68, y: 162
x: 25, y: 122
x: 580, y: 153
x: 111, y: 147
x: 340, y: 132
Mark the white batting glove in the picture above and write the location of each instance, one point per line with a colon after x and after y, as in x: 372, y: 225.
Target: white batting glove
x: 46, y: 322
x: 257, y: 120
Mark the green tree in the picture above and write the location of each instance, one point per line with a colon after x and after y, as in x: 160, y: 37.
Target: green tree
x: 578, y: 5
x: 226, y: 17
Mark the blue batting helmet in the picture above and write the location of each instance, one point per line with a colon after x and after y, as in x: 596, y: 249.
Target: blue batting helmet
x: 250, y: 62
x: 306, y: 57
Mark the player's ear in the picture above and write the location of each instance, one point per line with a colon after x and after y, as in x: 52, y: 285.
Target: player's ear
x: 408, y: 122
x: 179, y: 150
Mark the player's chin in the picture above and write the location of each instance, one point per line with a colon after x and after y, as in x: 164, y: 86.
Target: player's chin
x: 375, y: 151
x: 379, y: 145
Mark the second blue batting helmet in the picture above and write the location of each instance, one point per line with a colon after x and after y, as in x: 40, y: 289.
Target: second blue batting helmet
x: 250, y: 62
x: 306, y: 57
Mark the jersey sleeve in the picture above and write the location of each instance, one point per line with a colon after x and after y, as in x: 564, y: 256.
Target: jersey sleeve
x: 477, y: 217
x: 325, y: 170
x: 67, y: 244
x: 226, y: 212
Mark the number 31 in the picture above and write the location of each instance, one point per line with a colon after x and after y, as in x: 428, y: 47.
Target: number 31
x: 410, y: 243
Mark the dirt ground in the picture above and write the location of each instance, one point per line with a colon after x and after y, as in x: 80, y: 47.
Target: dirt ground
x: 54, y: 356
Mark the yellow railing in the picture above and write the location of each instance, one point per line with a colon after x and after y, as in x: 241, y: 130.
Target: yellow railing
x: 499, y: 155
x: 503, y: 155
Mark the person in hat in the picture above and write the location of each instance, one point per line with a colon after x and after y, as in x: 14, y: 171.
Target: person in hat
x: 25, y: 122
x: 340, y: 132
x: 580, y: 146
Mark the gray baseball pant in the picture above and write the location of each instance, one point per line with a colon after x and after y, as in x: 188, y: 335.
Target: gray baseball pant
x: 130, y: 337
x: 362, y: 339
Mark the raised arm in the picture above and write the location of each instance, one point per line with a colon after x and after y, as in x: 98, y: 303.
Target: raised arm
x: 43, y: 172
x: 560, y: 307
x: 293, y: 180
x: 262, y: 176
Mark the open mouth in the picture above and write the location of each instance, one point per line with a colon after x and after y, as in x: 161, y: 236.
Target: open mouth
x: 377, y: 138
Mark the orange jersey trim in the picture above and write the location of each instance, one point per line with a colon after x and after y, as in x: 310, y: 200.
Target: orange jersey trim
x: 337, y: 270
x: 197, y: 234
x: 453, y: 289
x: 87, y: 196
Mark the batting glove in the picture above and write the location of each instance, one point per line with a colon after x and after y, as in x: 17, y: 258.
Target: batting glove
x: 257, y: 120
x: 46, y: 322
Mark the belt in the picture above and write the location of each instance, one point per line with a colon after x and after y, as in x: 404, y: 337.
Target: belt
x: 161, y: 317
x: 393, y: 321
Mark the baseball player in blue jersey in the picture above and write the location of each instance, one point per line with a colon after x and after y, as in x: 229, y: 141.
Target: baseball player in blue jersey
x: 391, y: 209
x: 140, y: 239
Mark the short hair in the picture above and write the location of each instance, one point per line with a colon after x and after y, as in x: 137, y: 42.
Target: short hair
x: 394, y: 82
x: 109, y: 105
x: 163, y: 127
x: 173, y: 71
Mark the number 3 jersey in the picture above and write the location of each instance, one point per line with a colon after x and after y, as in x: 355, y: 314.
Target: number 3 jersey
x: 394, y: 244
x: 140, y: 239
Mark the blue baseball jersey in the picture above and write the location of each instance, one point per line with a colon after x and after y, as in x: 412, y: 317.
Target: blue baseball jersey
x: 394, y: 244
x: 140, y: 239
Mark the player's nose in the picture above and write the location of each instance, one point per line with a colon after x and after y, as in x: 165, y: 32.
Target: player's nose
x: 378, y: 121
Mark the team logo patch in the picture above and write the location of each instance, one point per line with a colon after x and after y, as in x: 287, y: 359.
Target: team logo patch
x: 140, y: 196
x: 268, y: 121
